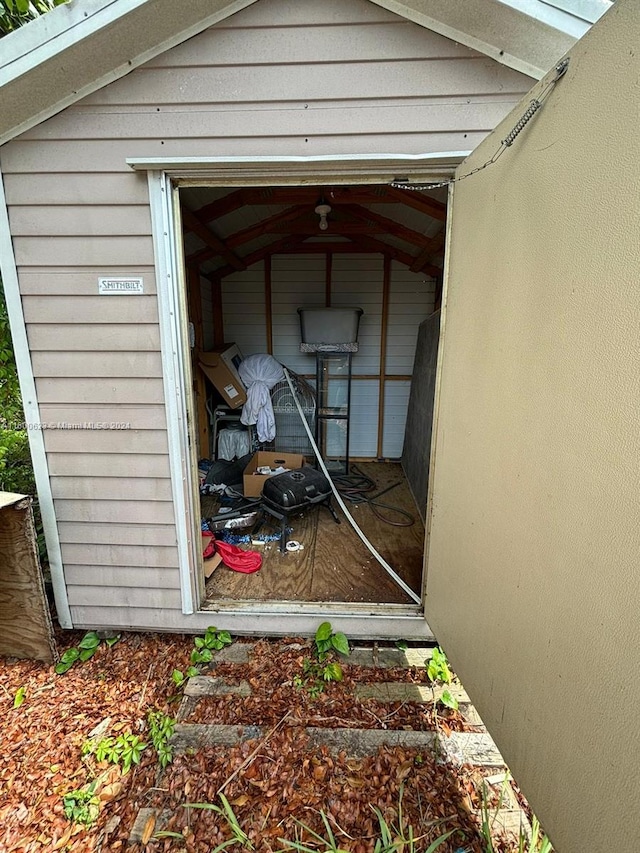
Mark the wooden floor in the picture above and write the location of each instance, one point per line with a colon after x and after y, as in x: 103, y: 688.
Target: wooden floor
x: 335, y: 565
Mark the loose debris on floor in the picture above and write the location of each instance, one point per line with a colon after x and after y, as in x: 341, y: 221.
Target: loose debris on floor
x: 120, y: 753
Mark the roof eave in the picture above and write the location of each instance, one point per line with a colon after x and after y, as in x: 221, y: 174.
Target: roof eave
x: 78, y: 48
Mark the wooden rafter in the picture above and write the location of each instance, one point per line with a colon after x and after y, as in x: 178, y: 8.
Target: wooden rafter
x: 371, y: 245
x: 221, y: 206
x: 424, y: 203
x: 211, y: 240
x: 265, y: 226
x: 428, y: 252
x: 335, y: 196
x: 384, y: 225
x: 278, y: 246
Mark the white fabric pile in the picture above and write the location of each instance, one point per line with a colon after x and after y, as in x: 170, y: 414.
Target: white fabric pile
x: 259, y: 374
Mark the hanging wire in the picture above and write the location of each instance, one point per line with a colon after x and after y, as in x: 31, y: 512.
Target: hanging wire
x: 507, y: 142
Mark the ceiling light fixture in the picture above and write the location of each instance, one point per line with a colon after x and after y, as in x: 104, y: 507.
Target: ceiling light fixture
x: 323, y: 210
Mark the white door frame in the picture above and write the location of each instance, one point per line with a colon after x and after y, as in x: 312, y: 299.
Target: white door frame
x: 164, y: 177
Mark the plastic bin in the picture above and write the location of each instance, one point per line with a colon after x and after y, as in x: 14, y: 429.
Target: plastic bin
x: 329, y: 325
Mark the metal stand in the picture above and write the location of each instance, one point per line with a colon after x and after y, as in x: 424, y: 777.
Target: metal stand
x: 333, y: 391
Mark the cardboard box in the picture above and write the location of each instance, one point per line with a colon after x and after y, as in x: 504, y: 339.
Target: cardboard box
x: 253, y: 482
x: 220, y: 366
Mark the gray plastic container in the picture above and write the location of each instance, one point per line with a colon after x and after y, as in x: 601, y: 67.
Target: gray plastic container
x: 329, y: 325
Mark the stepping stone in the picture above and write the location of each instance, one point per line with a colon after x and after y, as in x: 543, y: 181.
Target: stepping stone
x: 200, y: 735
x: 355, y: 742
x: 206, y: 685
x: 388, y: 658
x: 235, y: 653
x: 390, y: 691
x: 360, y: 742
x: 470, y: 748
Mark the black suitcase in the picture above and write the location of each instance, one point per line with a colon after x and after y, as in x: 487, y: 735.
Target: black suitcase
x: 296, y: 489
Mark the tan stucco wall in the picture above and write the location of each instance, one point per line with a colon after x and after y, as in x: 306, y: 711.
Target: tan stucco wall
x: 534, y: 557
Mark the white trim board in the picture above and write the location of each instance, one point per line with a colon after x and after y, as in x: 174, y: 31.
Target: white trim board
x: 32, y: 413
x: 172, y: 345
x: 244, y: 172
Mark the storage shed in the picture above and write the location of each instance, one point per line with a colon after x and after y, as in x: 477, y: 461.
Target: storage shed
x: 121, y: 120
x: 163, y: 169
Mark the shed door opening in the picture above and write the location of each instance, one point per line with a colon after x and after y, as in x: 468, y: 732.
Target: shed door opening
x: 253, y: 258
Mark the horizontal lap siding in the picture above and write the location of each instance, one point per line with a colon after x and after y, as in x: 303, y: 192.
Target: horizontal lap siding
x: 279, y: 78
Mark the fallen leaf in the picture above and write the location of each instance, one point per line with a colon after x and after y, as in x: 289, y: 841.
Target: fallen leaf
x: 149, y: 826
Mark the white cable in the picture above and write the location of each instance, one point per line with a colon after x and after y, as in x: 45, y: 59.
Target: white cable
x: 338, y: 497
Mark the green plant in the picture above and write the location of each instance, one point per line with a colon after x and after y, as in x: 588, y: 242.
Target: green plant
x: 438, y: 667
x: 398, y: 839
x: 85, y: 649
x: 82, y: 805
x: 226, y: 811
x: 536, y: 843
x: 438, y: 671
x: 181, y: 678
x: 161, y: 728
x: 202, y: 653
x: 317, y: 673
x: 329, y: 844
x: 124, y: 750
x: 21, y: 695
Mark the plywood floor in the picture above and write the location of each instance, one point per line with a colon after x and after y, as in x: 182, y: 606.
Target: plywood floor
x: 335, y: 565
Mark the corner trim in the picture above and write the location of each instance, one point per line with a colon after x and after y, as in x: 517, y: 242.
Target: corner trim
x: 32, y: 413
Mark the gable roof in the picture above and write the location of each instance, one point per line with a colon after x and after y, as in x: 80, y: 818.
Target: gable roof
x: 82, y: 46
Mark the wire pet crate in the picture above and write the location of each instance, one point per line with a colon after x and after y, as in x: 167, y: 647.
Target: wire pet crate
x: 291, y: 436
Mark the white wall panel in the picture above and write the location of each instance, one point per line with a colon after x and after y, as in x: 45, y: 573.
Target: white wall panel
x: 411, y: 301
x: 243, y: 310
x: 396, y: 402
x: 297, y: 281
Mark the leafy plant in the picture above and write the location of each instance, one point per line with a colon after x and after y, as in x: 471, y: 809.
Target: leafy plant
x: 536, y: 843
x: 21, y: 695
x: 181, y: 678
x: 329, y: 844
x: 202, y: 653
x: 82, y: 805
x: 398, y: 839
x: 161, y: 728
x: 438, y: 667
x: 226, y: 811
x: 85, y: 649
x: 124, y: 750
x: 438, y: 671
x: 317, y: 673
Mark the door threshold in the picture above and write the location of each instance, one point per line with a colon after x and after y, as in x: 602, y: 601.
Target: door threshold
x: 320, y: 608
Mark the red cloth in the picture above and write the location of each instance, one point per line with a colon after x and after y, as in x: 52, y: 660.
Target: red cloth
x: 235, y: 558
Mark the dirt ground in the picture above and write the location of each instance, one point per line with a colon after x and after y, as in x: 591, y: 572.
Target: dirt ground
x: 288, y: 782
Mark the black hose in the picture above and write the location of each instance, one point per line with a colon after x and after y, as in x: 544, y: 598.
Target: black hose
x: 356, y: 488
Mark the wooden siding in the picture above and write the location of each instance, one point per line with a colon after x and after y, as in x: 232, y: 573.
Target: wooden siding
x: 280, y: 78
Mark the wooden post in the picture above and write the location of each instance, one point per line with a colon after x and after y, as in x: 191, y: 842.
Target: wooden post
x: 268, y: 309
x: 386, y: 289
x: 199, y: 382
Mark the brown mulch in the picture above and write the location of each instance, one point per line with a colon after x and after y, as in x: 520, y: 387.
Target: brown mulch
x: 270, y: 672
x: 289, y: 779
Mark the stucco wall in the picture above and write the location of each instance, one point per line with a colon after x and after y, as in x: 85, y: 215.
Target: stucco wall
x: 533, y: 583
